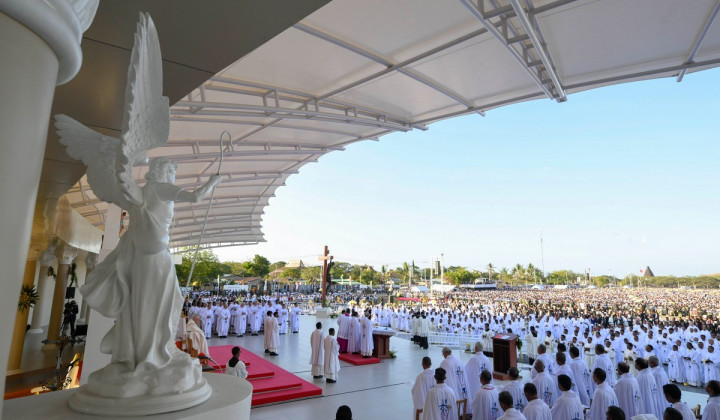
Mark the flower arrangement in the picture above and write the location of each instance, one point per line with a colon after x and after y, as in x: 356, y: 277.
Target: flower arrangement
x: 393, y: 353
x: 28, y: 298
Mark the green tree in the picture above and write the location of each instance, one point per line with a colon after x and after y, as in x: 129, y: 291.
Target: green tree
x: 312, y: 273
x: 490, y: 270
x: 207, y: 268
x: 236, y: 268
x: 258, y: 267
x: 459, y: 275
x: 290, y: 273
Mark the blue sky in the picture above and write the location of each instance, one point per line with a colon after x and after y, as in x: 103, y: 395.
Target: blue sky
x: 617, y: 178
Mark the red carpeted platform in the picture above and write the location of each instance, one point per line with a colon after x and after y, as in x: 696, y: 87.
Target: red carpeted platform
x: 358, y: 360
x: 271, y: 384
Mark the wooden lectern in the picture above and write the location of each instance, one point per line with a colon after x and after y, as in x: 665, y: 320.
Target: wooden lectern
x: 504, y: 355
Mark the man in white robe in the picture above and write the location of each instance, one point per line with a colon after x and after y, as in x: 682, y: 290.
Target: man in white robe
x: 355, y: 338
x: 563, y: 369
x: 692, y: 371
x: 423, y: 384
x: 254, y: 317
x: 711, y: 361
x: 536, y: 409
x: 582, y: 375
x: 515, y: 387
x: 196, y: 335
x: 546, y: 359
x: 366, y: 343
x: 266, y: 328
x: 240, y: 323
x: 222, y: 324
x: 273, y: 331
x: 712, y: 409
x: 473, y: 368
x: 343, y: 322
x: 456, y: 378
x: 544, y: 384
x: 603, y: 362
x: 283, y: 319
x: 676, y: 371
x: 440, y: 402
x: 648, y: 388
x: 235, y: 366
x: 207, y: 315
x: 568, y: 405
x: 661, y: 380
x: 295, y: 319
x: 673, y: 396
x: 603, y: 397
x: 485, y: 403
x: 507, y: 405
x: 332, y: 361
x: 627, y: 391
x: 317, y: 356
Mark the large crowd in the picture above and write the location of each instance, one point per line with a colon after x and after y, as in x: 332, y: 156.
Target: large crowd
x: 621, y: 331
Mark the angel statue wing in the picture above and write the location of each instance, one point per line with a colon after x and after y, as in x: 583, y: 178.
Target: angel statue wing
x: 146, y: 125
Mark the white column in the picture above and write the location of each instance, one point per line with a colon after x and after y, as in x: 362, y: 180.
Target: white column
x: 40, y: 47
x: 41, y: 311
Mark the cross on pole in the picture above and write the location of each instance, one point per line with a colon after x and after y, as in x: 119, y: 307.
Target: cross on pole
x: 325, y: 257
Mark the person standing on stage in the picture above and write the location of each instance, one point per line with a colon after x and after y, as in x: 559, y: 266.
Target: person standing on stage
x: 317, y: 357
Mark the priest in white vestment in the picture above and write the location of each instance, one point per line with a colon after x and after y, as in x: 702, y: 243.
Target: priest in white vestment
x: 673, y: 396
x: 456, y: 378
x: 273, y: 331
x: 196, y: 335
x: 440, y: 402
x: 582, y: 376
x: 628, y: 392
x: 507, y: 405
x: 692, y: 372
x: 568, y: 405
x: 536, y: 409
x: 485, y: 401
x: 332, y: 353
x: 317, y: 355
x: 423, y: 384
x: 711, y: 363
x: 648, y: 388
x: 473, y: 368
x: 603, y: 362
x: 563, y: 369
x: 603, y: 397
x: 355, y: 338
x: 544, y: 383
x: 661, y: 380
x: 366, y: 344
x: 295, y: 313
x: 515, y: 387
x: 712, y: 409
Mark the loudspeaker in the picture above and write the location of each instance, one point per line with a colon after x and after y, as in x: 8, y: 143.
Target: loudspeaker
x: 70, y: 293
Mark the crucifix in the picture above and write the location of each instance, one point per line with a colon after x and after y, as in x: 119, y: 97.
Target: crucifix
x: 325, y: 257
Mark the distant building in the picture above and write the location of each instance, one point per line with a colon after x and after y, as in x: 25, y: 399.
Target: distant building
x: 648, y: 272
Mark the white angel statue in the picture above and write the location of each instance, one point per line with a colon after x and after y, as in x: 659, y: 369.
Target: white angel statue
x: 136, y: 284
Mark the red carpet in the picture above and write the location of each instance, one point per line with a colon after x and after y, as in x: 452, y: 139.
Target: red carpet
x: 271, y: 384
x: 358, y: 360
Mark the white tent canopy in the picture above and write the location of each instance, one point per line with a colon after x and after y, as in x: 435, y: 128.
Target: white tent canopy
x: 357, y: 70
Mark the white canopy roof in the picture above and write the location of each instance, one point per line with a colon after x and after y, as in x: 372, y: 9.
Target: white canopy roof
x: 357, y: 70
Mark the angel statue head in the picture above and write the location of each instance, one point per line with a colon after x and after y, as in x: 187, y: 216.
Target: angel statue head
x: 161, y: 169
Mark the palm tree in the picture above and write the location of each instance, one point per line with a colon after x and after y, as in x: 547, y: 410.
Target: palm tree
x: 490, y: 268
x: 518, y: 272
x: 531, y: 271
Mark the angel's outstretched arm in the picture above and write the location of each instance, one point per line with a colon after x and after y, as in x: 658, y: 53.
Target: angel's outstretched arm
x: 200, y: 193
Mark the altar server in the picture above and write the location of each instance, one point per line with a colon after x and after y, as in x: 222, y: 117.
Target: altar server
x: 317, y: 356
x: 332, y: 361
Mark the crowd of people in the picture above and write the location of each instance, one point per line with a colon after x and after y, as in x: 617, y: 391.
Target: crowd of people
x: 608, y: 342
